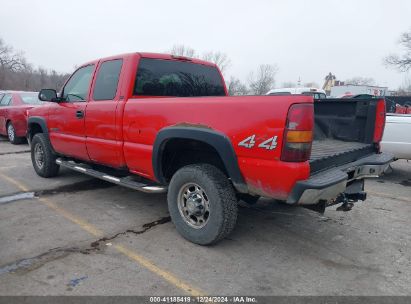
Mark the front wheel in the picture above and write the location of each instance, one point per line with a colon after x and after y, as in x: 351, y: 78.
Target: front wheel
x: 11, y: 133
x: 202, y: 204
x: 42, y: 156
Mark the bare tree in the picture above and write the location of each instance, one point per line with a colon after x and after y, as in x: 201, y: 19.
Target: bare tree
x: 360, y: 81
x: 263, y: 80
x: 27, y: 78
x: 17, y: 74
x: 311, y: 84
x: 236, y: 87
x: 183, y: 50
x: 402, y: 62
x: 405, y: 88
x: 289, y: 84
x: 43, y: 76
x: 403, y: 91
x: 56, y: 80
x: 219, y: 58
x: 9, y: 59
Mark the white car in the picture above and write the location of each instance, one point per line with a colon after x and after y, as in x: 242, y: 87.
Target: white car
x: 397, y: 136
x: 315, y: 92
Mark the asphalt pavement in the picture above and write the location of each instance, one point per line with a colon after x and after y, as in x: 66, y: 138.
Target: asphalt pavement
x: 74, y: 235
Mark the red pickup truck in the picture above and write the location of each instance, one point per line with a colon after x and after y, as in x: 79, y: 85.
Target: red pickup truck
x: 160, y: 123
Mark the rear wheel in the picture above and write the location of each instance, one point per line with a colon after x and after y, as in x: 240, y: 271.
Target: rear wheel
x: 202, y: 204
x: 42, y: 156
x: 11, y: 133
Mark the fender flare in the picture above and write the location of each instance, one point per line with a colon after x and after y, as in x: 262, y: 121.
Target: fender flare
x: 39, y: 121
x: 220, y: 142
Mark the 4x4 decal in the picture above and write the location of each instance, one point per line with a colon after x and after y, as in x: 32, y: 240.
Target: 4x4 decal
x: 268, y: 144
x: 249, y: 142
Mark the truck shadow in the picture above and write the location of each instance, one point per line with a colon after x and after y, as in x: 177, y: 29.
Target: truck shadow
x: 398, y: 173
x: 332, y: 239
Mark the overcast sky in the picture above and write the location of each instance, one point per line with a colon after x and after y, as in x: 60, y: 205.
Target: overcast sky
x: 306, y: 39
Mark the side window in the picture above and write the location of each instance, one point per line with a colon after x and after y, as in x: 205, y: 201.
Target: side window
x: 76, y: 88
x: 105, y: 87
x: 108, y: 75
x: 6, y: 100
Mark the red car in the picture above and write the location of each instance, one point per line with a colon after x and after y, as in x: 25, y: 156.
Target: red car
x: 166, y: 123
x: 13, y: 114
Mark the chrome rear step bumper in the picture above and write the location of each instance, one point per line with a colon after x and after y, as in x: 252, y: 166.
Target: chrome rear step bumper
x: 327, y: 185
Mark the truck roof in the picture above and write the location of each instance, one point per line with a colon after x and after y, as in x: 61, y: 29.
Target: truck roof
x: 174, y: 57
x: 155, y: 56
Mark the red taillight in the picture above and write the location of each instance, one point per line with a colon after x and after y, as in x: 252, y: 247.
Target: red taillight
x: 298, y: 133
x: 379, y: 121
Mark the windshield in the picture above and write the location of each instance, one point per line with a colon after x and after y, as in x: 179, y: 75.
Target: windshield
x: 157, y: 77
x: 30, y: 98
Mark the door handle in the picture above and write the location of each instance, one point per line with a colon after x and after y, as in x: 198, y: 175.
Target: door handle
x: 79, y: 114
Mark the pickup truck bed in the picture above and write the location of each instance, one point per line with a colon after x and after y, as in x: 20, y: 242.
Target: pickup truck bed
x: 343, y: 132
x: 329, y: 149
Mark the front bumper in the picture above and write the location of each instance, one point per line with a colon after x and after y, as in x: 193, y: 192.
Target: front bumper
x: 327, y: 185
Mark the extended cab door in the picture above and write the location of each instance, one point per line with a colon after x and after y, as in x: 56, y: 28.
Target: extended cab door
x: 104, y: 115
x: 66, y: 119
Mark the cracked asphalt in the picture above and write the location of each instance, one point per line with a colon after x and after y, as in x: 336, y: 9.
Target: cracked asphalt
x: 72, y: 235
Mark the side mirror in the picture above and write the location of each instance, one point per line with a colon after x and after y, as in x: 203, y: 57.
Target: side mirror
x: 48, y: 95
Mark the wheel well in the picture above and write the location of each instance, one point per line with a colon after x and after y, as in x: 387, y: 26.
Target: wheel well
x: 8, y: 121
x: 178, y: 152
x: 34, y: 128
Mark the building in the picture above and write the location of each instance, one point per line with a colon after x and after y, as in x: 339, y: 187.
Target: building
x: 351, y: 89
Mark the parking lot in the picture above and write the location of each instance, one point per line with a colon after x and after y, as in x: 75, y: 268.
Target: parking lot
x: 74, y: 235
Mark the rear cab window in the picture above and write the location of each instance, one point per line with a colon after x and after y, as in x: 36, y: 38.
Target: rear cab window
x: 161, y: 77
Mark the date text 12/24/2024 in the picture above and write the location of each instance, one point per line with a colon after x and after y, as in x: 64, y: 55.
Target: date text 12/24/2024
x: 203, y: 299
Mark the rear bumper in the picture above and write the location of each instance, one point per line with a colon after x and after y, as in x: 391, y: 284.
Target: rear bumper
x: 327, y: 185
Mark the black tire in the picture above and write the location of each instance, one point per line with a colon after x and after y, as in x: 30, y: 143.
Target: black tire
x: 49, y: 168
x: 11, y: 134
x: 221, y: 201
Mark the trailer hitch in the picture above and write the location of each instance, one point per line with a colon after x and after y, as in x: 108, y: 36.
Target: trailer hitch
x: 348, y: 200
x: 353, y: 193
x: 346, y: 204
